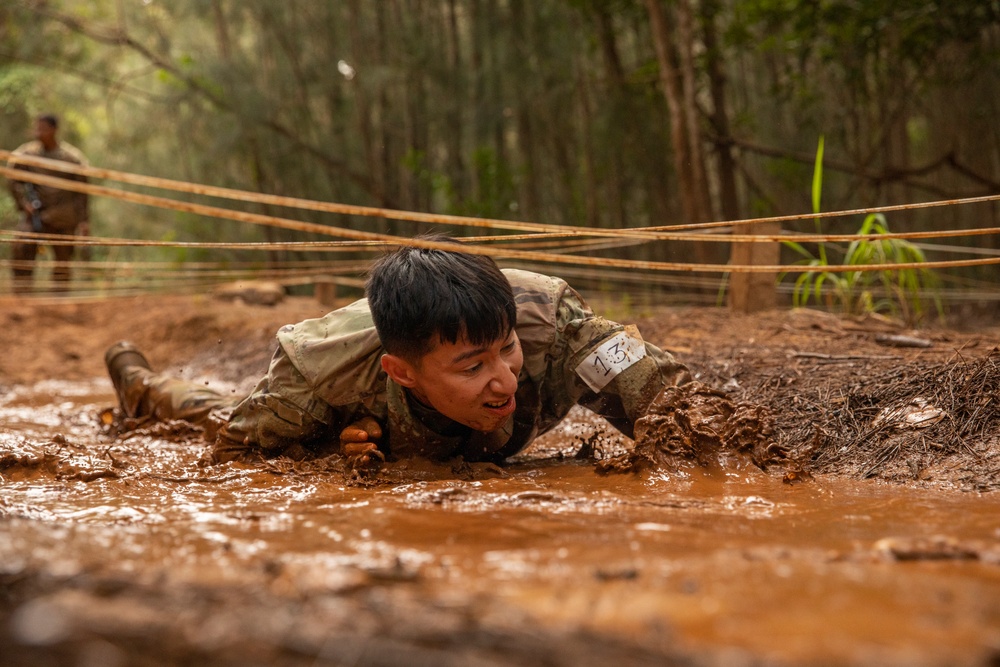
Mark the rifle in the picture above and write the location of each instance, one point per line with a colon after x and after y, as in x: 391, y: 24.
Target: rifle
x: 36, y: 205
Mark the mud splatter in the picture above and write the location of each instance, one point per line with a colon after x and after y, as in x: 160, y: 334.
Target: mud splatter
x: 58, y: 458
x: 694, y: 424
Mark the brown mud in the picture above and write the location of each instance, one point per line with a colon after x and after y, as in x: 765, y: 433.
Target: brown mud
x: 695, y: 425
x: 824, y: 494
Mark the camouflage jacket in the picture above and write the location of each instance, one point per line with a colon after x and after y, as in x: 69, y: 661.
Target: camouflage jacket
x: 62, y: 210
x: 326, y: 374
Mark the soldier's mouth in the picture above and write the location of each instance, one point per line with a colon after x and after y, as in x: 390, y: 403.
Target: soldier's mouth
x: 505, y: 406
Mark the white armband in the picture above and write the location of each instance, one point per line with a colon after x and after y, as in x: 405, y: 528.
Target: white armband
x: 613, y: 356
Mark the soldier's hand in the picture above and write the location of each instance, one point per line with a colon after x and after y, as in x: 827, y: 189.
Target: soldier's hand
x: 359, y: 443
x: 83, y: 229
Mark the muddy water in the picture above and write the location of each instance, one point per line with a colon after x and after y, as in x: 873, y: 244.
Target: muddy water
x: 130, y: 545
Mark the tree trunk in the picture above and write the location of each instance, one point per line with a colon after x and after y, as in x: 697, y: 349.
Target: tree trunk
x: 728, y: 194
x: 748, y: 292
x: 673, y: 94
x: 689, y: 80
x: 530, y: 207
x: 619, y: 93
x: 362, y: 102
x: 455, y: 160
x: 678, y: 89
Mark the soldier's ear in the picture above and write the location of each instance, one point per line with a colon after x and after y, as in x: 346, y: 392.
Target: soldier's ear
x: 400, y: 370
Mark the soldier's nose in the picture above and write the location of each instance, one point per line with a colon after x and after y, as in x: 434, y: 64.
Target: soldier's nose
x: 505, y: 380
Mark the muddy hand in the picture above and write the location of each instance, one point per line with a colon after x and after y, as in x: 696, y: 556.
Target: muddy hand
x: 359, y: 443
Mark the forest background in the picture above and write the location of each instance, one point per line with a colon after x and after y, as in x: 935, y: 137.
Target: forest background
x: 603, y: 114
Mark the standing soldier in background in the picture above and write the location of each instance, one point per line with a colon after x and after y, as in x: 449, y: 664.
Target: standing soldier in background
x: 47, y: 210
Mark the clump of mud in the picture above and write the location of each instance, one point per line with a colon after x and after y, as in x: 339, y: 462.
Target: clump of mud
x: 58, y: 458
x: 695, y: 425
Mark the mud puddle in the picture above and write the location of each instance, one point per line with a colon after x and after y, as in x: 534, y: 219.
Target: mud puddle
x: 119, y: 551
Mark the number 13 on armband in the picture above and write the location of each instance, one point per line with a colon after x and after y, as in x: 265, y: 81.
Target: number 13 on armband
x: 611, y: 358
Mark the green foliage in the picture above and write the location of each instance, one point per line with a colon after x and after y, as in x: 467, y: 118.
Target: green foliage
x: 902, y: 293
x: 16, y: 85
x: 496, y: 194
x: 496, y: 189
x: 845, y: 32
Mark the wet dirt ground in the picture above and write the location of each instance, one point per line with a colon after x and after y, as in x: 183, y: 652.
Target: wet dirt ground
x: 123, y: 550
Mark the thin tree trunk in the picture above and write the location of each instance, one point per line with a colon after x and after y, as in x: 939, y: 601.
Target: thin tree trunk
x: 274, y: 257
x: 363, y: 104
x: 387, y: 176
x: 221, y: 30
x: 748, y: 292
x: 590, y: 185
x: 609, y: 48
x: 689, y: 78
x: 416, y: 122
x: 679, y: 95
x: 455, y: 165
x: 728, y: 194
x: 616, y: 83
x: 673, y: 94
x: 528, y: 195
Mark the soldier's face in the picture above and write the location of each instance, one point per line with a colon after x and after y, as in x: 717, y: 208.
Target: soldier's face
x: 472, y: 385
x: 44, y: 132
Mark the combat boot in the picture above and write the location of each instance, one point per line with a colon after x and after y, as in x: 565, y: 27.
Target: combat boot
x: 120, y: 356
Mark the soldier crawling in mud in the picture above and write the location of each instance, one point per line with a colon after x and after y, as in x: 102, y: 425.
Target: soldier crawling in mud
x: 447, y: 356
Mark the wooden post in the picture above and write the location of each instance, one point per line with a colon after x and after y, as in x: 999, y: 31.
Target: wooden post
x: 325, y: 291
x: 753, y: 292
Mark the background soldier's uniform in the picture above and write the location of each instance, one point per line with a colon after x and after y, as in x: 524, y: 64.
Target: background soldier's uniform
x: 326, y: 374
x: 62, y: 211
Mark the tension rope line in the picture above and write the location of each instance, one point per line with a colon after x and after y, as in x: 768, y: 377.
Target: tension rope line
x: 636, y: 264
x: 131, y: 271
x: 649, y: 233
x: 329, y: 230
x: 260, y: 219
x: 11, y: 236
x: 302, y: 246
x: 289, y: 202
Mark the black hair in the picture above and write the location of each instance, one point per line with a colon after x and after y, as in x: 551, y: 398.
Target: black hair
x: 50, y: 118
x: 421, y: 297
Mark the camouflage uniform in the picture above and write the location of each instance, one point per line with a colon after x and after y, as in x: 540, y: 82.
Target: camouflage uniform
x: 326, y: 374
x: 62, y: 210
